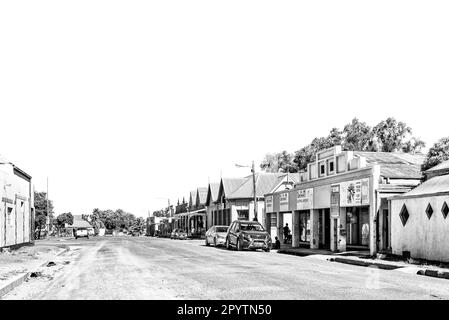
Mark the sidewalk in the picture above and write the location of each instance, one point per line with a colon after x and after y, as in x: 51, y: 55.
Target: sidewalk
x: 16, y: 265
x: 363, y: 259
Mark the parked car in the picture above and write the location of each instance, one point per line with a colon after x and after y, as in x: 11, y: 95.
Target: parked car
x: 216, y: 235
x: 109, y: 232
x: 81, y: 232
x: 173, y: 234
x: 181, y: 235
x: 243, y: 234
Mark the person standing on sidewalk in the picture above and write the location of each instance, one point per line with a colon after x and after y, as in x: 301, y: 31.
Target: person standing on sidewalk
x: 286, y: 232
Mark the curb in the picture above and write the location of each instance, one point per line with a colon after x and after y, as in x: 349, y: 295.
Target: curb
x: 434, y: 273
x: 18, y: 280
x: 295, y: 253
x: 365, y: 263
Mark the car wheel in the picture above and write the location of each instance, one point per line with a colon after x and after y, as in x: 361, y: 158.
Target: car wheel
x: 76, y: 237
x: 215, y: 242
x: 228, y: 245
x: 267, y: 250
x: 207, y: 242
x: 239, y: 245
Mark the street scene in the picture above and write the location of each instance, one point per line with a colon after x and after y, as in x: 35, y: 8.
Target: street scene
x: 126, y: 267
x: 210, y: 150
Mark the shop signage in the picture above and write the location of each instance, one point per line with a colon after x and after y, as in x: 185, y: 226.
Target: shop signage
x: 283, y: 201
x: 269, y: 204
x: 335, y: 201
x: 354, y: 193
x: 304, y: 199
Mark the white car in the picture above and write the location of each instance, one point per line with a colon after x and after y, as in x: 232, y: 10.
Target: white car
x: 216, y: 235
x: 81, y: 232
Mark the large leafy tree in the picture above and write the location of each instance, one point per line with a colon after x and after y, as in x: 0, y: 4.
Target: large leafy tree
x: 42, y: 212
x: 438, y: 153
x: 62, y: 219
x: 278, y: 162
x: 391, y: 134
x: 357, y: 135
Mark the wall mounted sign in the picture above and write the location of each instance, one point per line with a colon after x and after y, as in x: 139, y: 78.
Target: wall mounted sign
x: 283, y: 201
x: 304, y: 199
x: 335, y: 201
x: 269, y: 204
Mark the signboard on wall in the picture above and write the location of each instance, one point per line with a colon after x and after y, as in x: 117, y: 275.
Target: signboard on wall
x: 269, y: 204
x: 335, y: 201
x: 354, y: 193
x: 304, y: 199
x: 283, y: 201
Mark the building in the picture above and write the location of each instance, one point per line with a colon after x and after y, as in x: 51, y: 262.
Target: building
x: 419, y: 223
x: 212, y: 203
x: 235, y: 199
x: 341, y: 200
x: 17, y: 207
x: 80, y: 223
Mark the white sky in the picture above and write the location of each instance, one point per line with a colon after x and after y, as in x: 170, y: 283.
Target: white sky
x: 124, y: 103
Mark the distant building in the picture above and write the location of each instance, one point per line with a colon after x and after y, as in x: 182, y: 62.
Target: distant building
x: 17, y: 207
x: 419, y: 222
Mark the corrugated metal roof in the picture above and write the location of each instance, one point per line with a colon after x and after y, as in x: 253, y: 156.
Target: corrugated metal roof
x: 265, y: 182
x: 231, y: 184
x: 214, y: 189
x: 442, y: 166
x: 434, y: 185
x: 396, y: 164
x: 80, y: 224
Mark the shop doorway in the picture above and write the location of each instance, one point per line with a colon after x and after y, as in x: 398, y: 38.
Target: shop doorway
x: 325, y: 228
x: 304, y: 227
x: 357, y: 226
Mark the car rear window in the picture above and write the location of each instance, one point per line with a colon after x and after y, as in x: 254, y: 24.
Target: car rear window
x: 251, y: 227
x: 221, y: 229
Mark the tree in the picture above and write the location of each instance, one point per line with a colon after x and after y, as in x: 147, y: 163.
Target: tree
x: 391, y: 134
x: 62, y: 219
x: 357, y: 135
x: 41, y: 214
x: 438, y: 153
x: 414, y: 145
x: 278, y: 162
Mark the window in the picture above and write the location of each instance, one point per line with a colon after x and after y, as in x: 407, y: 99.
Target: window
x: 273, y: 219
x: 331, y: 166
x: 243, y: 214
x: 429, y: 211
x: 404, y: 215
x: 322, y: 169
x: 10, y: 220
x: 445, y: 210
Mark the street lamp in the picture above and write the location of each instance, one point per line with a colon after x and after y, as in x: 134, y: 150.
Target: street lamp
x: 253, y: 170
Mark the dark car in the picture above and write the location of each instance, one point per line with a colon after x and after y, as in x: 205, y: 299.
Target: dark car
x: 243, y: 234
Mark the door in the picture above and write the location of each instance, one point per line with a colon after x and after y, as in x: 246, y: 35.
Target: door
x: 386, y: 234
x: 327, y: 229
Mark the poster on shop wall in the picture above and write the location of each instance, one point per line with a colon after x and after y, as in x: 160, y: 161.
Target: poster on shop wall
x: 283, y: 201
x: 354, y: 193
x: 335, y: 201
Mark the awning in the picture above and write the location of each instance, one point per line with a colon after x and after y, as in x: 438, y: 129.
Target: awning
x: 201, y: 212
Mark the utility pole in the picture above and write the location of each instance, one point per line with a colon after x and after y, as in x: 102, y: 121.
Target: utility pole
x: 253, y: 170
x: 48, y: 214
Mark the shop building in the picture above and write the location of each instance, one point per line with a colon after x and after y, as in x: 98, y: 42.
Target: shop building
x: 192, y: 216
x: 17, y: 209
x: 420, y: 223
x: 212, y: 203
x: 236, y: 196
x: 341, y: 200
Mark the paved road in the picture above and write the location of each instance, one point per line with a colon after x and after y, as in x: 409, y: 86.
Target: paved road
x: 152, y: 268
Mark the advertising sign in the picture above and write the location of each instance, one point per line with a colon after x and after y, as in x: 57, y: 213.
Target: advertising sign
x: 354, y: 193
x: 335, y: 201
x: 283, y: 201
x: 304, y: 199
x: 269, y: 204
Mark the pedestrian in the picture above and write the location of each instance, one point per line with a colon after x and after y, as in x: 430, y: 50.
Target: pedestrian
x: 277, y: 243
x: 286, y: 232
